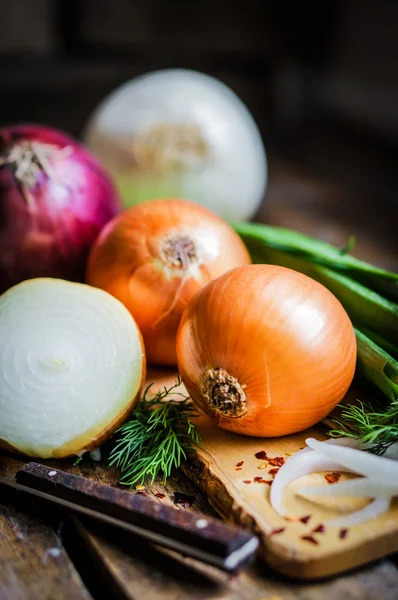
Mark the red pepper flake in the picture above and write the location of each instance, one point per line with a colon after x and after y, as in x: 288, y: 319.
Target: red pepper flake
x: 305, y: 519
x: 273, y: 471
x: 343, y: 533
x: 258, y: 479
x: 277, y: 531
x: 238, y: 468
x: 246, y: 481
x: 262, y: 455
x: 267, y: 481
x: 277, y: 461
x: 161, y: 496
x: 333, y: 477
x: 320, y: 529
x: 141, y: 494
x: 240, y: 463
x: 309, y: 538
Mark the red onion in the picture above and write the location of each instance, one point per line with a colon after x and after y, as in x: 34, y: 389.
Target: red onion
x: 54, y: 199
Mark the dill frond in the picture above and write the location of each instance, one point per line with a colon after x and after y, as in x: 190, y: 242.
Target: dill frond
x: 157, y: 438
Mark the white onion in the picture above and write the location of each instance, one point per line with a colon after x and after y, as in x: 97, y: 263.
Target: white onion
x: 363, y: 463
x: 362, y: 487
x: 347, y: 455
x: 181, y: 133
x: 301, y: 463
x: 374, y: 509
x: 71, y: 367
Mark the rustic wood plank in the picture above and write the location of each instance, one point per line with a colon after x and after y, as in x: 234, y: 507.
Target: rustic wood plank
x: 28, y: 548
x: 132, y: 570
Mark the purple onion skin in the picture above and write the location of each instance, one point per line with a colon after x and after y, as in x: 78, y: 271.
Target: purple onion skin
x: 51, y: 235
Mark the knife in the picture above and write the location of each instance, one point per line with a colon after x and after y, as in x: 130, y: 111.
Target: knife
x: 209, y: 540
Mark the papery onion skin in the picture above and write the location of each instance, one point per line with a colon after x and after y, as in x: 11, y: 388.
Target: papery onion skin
x: 282, y: 336
x: 49, y: 223
x: 128, y: 261
x: 98, y: 303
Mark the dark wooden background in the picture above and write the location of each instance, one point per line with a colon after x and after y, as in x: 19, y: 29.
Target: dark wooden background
x: 320, y: 79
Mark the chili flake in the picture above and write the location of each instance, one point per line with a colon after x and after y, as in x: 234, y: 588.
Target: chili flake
x: 161, y: 496
x: 262, y: 455
x: 309, y: 538
x: 277, y: 531
x: 320, y: 529
x: 246, y: 481
x: 277, y: 461
x: 238, y: 468
x: 274, y: 471
x: 305, y: 519
x: 343, y: 533
x: 240, y: 463
x: 333, y: 477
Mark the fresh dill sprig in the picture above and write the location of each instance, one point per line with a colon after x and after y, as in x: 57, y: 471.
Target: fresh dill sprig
x: 373, y: 424
x: 157, y: 438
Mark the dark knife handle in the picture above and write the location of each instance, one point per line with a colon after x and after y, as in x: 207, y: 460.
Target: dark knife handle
x: 195, y: 535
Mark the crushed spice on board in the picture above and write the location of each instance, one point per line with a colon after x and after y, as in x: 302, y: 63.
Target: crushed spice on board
x: 277, y: 461
x: 277, y: 531
x: 240, y: 463
x: 309, y: 538
x: 343, y: 533
x: 161, y: 496
x: 305, y: 519
x: 246, y: 481
x: 262, y: 455
x: 320, y: 529
x: 333, y: 477
x: 274, y: 471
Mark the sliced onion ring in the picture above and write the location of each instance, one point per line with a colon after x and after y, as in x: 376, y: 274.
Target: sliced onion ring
x: 296, y: 466
x: 363, y: 463
x: 374, y: 509
x: 71, y: 367
x: 362, y: 487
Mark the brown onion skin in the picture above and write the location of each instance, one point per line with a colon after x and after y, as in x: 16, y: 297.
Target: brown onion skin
x: 126, y: 262
x: 283, y: 336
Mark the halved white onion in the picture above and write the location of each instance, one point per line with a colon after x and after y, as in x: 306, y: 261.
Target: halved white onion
x: 71, y: 367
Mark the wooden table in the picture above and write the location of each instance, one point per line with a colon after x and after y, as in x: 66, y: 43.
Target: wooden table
x: 51, y: 560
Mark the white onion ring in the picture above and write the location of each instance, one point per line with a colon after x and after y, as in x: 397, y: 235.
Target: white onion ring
x: 363, y: 463
x: 71, y: 366
x: 296, y: 466
x: 317, y: 457
x: 362, y: 487
x: 374, y: 509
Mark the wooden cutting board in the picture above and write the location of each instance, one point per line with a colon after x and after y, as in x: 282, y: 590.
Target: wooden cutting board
x: 237, y: 497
